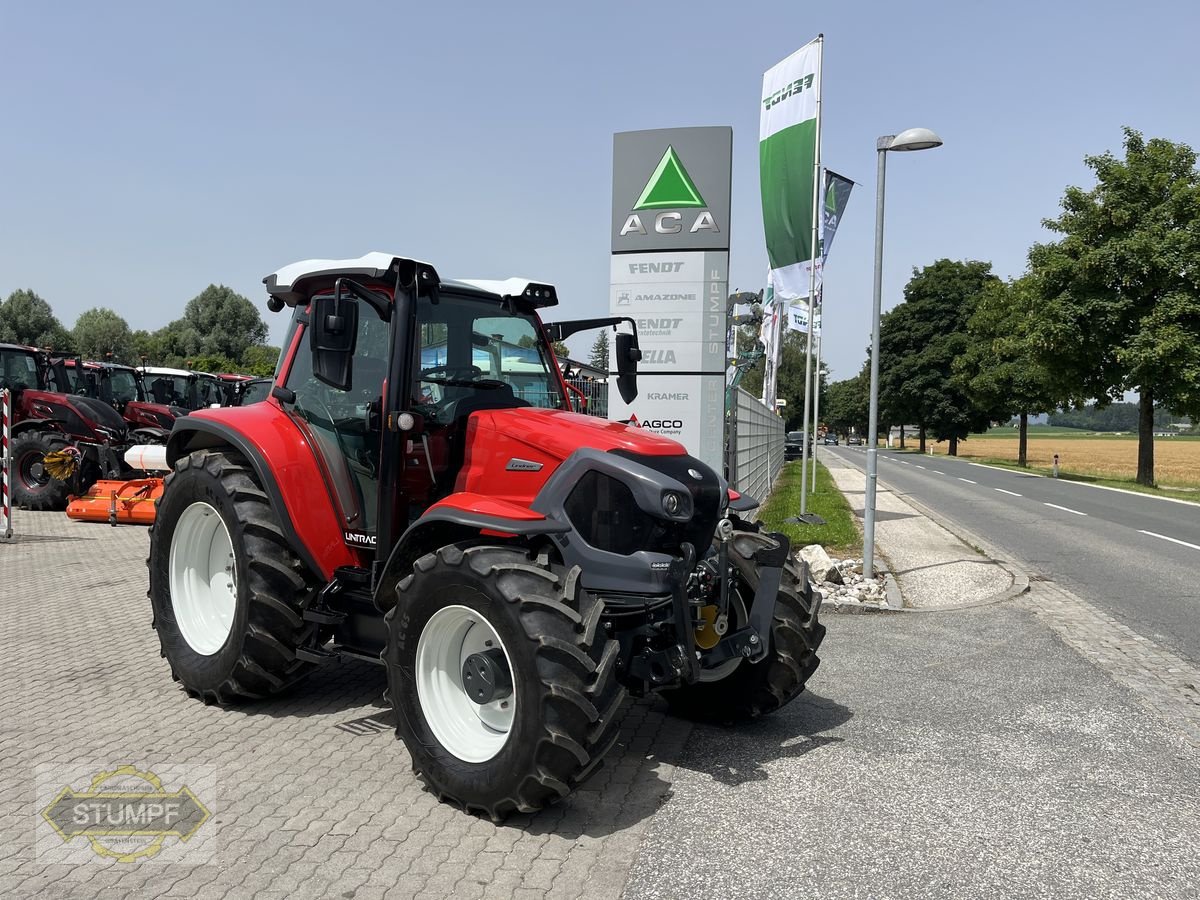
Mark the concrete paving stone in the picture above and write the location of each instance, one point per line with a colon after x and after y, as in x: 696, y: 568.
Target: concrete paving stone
x: 970, y: 755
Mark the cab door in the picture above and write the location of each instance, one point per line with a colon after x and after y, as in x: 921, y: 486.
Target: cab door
x: 344, y: 425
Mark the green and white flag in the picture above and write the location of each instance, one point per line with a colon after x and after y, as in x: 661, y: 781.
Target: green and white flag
x: 788, y: 135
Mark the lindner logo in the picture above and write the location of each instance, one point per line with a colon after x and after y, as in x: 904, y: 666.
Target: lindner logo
x: 670, y: 187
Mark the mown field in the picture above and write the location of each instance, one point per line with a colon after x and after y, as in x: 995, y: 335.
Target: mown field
x: 1176, y: 459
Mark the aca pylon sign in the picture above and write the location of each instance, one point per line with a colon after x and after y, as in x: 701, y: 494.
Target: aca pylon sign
x: 670, y: 273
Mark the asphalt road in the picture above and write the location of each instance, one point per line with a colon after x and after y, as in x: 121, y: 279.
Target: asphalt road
x: 1135, y: 556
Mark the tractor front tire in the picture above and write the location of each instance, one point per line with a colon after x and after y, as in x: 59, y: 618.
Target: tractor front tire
x: 32, y: 487
x: 226, y: 590
x: 755, y: 689
x: 553, y: 699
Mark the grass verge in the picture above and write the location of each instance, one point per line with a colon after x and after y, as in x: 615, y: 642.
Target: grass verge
x: 839, y: 535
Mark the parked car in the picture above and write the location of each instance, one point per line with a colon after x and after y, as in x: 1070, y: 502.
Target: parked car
x: 854, y: 440
x: 831, y: 439
x: 793, y: 446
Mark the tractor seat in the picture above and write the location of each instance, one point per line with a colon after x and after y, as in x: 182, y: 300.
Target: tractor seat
x: 457, y: 410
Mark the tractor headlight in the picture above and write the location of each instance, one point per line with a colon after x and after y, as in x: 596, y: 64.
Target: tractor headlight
x: 677, y: 505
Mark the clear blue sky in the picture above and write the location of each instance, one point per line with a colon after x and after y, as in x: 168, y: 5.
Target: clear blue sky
x: 149, y: 149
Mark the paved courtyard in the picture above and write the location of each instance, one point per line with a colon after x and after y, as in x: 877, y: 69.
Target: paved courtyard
x: 952, y: 754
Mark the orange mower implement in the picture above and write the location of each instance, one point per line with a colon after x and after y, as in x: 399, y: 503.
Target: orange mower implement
x: 118, y: 502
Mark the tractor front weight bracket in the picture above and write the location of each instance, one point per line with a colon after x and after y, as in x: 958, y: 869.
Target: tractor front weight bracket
x: 680, y: 571
x: 770, y: 561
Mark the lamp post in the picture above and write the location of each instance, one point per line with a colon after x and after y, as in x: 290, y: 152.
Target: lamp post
x: 912, y: 139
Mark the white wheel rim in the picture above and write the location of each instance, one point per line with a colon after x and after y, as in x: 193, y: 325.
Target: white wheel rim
x: 203, y: 578
x: 472, y: 732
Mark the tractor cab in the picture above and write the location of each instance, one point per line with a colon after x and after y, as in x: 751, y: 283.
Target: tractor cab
x: 170, y: 387
x: 120, y: 387
x: 381, y: 374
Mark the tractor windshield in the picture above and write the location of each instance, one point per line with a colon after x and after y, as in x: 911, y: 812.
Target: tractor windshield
x: 208, y: 392
x: 169, y: 390
x: 18, y: 369
x: 473, y: 347
x: 121, y: 385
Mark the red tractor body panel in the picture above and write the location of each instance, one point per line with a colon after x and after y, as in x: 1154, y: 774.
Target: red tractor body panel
x: 303, y: 484
x: 136, y: 414
x: 545, y: 437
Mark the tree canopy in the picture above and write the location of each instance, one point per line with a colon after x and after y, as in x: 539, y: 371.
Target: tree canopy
x: 1121, y: 288
x: 25, y: 318
x: 921, y: 339
x: 99, y: 332
x: 1001, y: 369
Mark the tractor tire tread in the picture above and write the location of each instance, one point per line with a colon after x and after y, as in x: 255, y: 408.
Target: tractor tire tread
x: 574, y: 674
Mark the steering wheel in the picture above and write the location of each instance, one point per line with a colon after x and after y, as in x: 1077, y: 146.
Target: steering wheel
x: 452, y: 373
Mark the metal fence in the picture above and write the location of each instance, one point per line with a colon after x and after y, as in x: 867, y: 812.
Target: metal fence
x: 755, y: 446
x: 754, y: 439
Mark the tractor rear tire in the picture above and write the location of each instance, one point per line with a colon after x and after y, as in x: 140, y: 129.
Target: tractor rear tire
x: 32, y: 488
x: 755, y: 689
x: 504, y: 755
x: 226, y: 589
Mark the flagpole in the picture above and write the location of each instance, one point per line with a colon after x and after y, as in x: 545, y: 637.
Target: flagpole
x: 816, y: 419
x: 812, y: 281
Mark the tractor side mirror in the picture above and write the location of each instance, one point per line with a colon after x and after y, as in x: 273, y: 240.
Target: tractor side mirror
x: 333, y: 334
x: 628, y: 355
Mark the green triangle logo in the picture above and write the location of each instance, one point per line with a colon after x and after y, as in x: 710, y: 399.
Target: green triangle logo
x: 670, y: 186
x: 831, y: 199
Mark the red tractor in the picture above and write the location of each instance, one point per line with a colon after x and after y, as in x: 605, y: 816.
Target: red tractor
x: 410, y: 494
x: 46, y: 421
x: 122, y: 388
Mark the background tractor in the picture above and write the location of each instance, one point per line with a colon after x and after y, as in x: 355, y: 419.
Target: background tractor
x: 122, y: 388
x: 416, y: 492
x: 84, y: 436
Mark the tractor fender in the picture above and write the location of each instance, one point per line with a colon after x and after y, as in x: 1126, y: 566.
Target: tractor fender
x: 459, y: 517
x: 321, y: 547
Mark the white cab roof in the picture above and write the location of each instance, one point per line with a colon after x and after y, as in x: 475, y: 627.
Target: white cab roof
x: 376, y: 264
x: 159, y: 370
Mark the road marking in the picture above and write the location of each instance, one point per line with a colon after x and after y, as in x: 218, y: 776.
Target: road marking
x: 919, y: 466
x: 1171, y: 539
x: 1009, y: 471
x: 968, y: 480
x: 1064, y: 509
x: 1010, y: 493
x: 936, y: 472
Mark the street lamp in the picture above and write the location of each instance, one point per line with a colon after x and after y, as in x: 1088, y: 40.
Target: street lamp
x: 912, y: 139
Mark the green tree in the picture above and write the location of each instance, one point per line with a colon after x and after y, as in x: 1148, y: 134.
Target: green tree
x: 561, y: 350
x: 218, y: 322
x: 1001, y: 369
x: 1122, y: 286
x: 849, y: 405
x: 260, y: 360
x: 599, y: 355
x: 789, y: 384
x: 101, y: 331
x: 924, y: 336
x: 25, y: 318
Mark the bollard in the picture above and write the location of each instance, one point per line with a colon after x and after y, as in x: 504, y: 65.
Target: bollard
x: 6, y: 529
x: 1055, y: 465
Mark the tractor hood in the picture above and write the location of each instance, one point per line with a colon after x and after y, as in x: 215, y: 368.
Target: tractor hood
x: 559, y: 434
x: 101, y: 413
x: 78, y: 415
